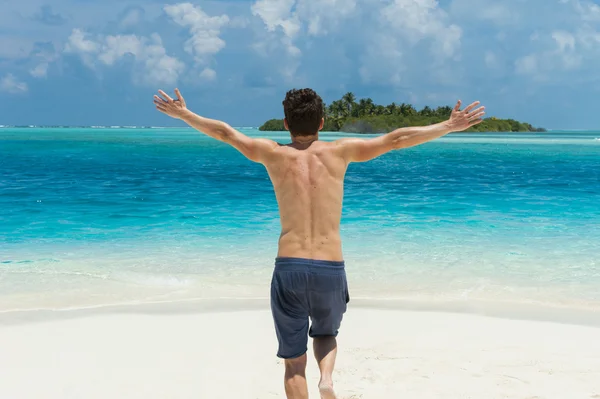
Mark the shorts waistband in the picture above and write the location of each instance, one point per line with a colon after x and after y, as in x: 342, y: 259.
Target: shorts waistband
x: 285, y: 263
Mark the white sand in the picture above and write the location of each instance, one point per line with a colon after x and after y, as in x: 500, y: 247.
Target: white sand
x: 383, y: 354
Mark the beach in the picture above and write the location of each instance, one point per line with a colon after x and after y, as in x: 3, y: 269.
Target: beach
x: 135, y: 263
x: 151, y: 353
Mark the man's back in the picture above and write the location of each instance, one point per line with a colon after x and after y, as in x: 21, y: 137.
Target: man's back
x: 309, y: 184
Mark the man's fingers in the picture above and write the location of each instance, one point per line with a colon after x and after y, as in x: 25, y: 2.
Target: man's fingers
x: 178, y: 94
x: 476, y: 115
x: 159, y: 99
x: 457, y: 106
x: 475, y: 122
x: 165, y: 95
x: 160, y: 104
x: 470, y: 107
x: 161, y: 109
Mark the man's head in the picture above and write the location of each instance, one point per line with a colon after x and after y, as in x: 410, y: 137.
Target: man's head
x: 303, y: 112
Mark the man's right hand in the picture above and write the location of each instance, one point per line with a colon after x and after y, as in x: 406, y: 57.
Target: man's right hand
x: 462, y: 120
x: 173, y: 108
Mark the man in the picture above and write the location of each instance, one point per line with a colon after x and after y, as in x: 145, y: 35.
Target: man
x: 309, y: 280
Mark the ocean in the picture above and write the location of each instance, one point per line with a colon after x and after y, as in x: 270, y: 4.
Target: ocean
x: 110, y: 216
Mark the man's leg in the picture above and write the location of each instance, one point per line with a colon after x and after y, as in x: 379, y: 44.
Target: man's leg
x: 295, y: 378
x: 325, y: 349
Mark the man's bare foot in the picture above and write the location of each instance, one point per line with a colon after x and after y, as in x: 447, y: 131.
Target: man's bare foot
x: 326, y: 391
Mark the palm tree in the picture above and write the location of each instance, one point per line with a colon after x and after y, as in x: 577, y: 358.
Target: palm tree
x: 407, y: 109
x: 391, y: 108
x: 369, y: 107
x: 348, y: 100
x: 426, y: 111
x: 443, y: 112
x: 360, y: 107
x: 337, y: 109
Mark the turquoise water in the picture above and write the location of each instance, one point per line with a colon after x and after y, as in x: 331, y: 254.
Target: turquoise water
x: 91, y: 217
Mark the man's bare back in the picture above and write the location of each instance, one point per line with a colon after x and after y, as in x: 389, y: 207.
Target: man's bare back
x: 309, y: 185
x: 309, y: 280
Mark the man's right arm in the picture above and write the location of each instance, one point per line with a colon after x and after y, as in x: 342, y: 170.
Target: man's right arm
x: 361, y: 150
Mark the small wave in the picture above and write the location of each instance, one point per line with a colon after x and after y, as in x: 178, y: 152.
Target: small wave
x: 28, y: 261
x: 150, y: 280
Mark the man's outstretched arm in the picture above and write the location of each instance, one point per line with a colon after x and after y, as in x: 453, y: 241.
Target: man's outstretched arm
x: 254, y: 149
x: 361, y: 150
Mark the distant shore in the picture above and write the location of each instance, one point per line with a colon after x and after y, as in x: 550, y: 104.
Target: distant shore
x: 349, y: 116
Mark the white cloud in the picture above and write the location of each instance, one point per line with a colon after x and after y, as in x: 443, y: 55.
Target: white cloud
x: 588, y: 10
x: 204, y: 29
x: 77, y: 43
x: 401, y: 24
x: 418, y: 20
x: 559, y: 51
x: 383, y: 58
x: 10, y: 84
x: 498, y: 13
x: 564, y: 40
x: 40, y: 71
x: 278, y: 14
x: 208, y: 74
x: 394, y: 47
x: 324, y: 16
x: 287, y: 19
x: 153, y: 65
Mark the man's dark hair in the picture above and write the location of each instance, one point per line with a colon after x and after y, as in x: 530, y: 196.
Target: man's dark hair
x: 303, y: 111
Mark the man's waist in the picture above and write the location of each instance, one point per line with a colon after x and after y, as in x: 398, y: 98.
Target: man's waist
x: 284, y: 263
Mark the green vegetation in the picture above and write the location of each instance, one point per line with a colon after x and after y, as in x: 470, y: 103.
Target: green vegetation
x: 364, y: 116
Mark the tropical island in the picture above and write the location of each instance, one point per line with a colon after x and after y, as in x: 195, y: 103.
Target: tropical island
x: 364, y: 116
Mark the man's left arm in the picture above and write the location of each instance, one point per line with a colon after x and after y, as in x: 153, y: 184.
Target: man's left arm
x: 254, y: 149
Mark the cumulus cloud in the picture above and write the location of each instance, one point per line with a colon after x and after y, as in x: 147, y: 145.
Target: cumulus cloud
x: 288, y: 18
x: 153, y: 65
x: 77, y: 43
x: 10, y: 84
x: 40, y: 71
x: 208, y: 74
x: 205, y: 30
x: 588, y: 10
x: 418, y: 20
x: 40, y: 58
x: 395, y: 28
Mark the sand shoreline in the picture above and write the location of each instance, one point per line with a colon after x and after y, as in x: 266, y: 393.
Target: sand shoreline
x: 383, y: 354
x: 495, y: 309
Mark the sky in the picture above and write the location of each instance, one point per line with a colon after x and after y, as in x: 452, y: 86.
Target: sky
x: 93, y: 62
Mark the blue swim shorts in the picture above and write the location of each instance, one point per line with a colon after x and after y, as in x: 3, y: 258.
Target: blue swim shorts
x: 303, y: 289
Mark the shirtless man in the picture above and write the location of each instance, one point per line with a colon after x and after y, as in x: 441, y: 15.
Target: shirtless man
x: 309, y: 279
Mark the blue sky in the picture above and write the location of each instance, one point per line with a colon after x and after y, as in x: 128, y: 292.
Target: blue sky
x: 92, y: 62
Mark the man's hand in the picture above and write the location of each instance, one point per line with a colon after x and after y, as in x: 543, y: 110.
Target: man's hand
x: 173, y: 108
x: 462, y: 120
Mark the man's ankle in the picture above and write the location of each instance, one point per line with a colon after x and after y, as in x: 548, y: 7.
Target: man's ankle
x: 326, y: 382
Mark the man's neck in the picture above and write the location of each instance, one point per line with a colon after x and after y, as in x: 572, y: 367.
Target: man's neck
x: 304, y: 140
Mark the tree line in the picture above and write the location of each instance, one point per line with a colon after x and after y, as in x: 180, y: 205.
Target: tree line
x: 364, y: 116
